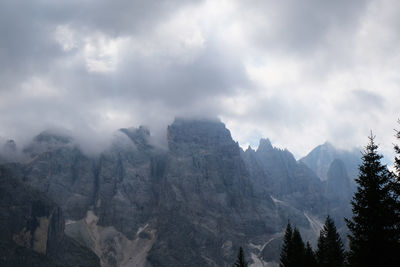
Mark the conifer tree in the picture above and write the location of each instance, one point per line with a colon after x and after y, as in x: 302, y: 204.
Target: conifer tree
x: 395, y: 188
x: 286, y: 252
x: 298, y: 248
x: 397, y: 158
x: 330, y: 251
x: 309, y: 257
x: 396, y: 181
x: 293, y: 249
x: 240, y: 262
x: 373, y: 225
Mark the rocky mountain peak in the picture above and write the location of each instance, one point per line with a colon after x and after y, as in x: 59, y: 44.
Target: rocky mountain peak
x: 321, y: 157
x: 200, y: 133
x: 52, y: 137
x: 48, y: 140
x: 327, y: 146
x: 265, y: 145
x: 249, y: 150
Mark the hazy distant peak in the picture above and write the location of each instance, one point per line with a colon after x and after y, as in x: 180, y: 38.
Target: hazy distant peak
x: 265, y: 144
x: 49, y: 140
x: 52, y: 136
x: 139, y: 136
x: 249, y: 149
x: 327, y: 146
x: 321, y: 157
x: 10, y: 146
x: 134, y: 133
x: 8, y: 152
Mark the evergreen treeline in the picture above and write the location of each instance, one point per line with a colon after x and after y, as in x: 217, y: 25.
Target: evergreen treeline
x: 374, y: 236
x: 329, y: 253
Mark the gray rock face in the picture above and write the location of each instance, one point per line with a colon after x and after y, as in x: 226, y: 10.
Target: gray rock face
x: 32, y: 229
x: 338, y: 182
x: 338, y: 169
x: 276, y: 172
x: 192, y: 204
x: 339, y: 192
x: 206, y: 195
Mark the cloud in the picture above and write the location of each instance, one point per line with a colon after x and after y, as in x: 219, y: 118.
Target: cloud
x: 299, y: 72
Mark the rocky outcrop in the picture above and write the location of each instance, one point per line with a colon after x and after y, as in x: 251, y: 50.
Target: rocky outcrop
x: 32, y: 229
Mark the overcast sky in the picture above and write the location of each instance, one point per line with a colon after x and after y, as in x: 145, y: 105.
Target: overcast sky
x: 298, y: 72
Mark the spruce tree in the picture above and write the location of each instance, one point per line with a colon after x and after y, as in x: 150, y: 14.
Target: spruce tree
x: 298, y: 248
x: 395, y: 188
x: 372, y: 227
x: 397, y: 158
x: 396, y: 180
x: 286, y: 252
x: 309, y: 257
x: 293, y: 253
x: 240, y: 262
x: 330, y: 251
x: 293, y: 249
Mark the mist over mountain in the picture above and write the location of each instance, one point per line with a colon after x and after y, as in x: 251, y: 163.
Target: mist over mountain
x: 80, y: 184
x: 192, y: 203
x: 325, y: 157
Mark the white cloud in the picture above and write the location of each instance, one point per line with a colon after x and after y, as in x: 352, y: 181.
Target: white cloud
x: 65, y: 36
x: 299, y: 72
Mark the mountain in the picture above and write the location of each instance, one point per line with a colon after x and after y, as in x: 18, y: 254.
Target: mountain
x: 321, y: 157
x: 8, y: 153
x: 32, y: 229
x: 191, y: 204
x: 278, y: 173
x: 338, y: 183
x: 338, y: 170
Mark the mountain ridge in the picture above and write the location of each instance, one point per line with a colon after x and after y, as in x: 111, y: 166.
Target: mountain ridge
x: 194, y: 203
